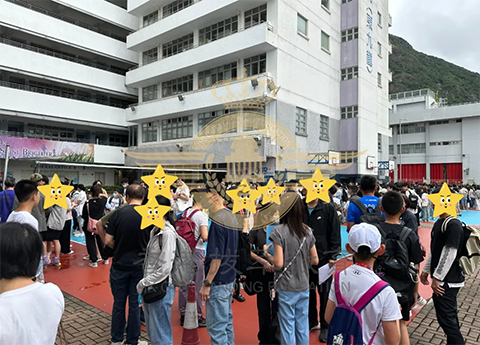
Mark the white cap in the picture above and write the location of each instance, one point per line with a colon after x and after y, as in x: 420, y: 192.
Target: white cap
x: 383, y: 191
x: 364, y: 235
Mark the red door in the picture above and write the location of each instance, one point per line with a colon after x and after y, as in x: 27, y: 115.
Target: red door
x: 452, y: 173
x: 413, y: 172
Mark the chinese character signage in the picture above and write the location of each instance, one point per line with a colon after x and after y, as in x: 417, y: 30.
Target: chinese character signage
x: 369, y: 25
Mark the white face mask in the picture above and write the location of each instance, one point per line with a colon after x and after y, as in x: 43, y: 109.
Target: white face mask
x: 115, y: 195
x: 124, y: 185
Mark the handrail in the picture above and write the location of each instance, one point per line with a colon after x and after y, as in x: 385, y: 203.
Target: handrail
x: 60, y: 94
x: 67, y: 19
x: 62, y: 56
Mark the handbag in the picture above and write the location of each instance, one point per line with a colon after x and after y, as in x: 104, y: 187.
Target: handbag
x: 92, y: 223
x: 157, y: 291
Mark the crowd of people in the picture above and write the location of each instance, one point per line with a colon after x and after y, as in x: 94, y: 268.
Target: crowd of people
x: 286, y: 284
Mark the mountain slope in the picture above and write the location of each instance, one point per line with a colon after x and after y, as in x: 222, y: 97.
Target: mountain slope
x: 413, y: 70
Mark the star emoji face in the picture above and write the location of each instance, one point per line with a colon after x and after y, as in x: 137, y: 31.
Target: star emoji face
x: 271, y: 192
x: 55, y: 193
x: 152, y: 214
x: 445, y: 201
x: 317, y: 187
x: 244, y: 198
x: 159, y: 183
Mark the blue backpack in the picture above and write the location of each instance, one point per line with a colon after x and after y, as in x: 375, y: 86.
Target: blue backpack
x: 346, y: 324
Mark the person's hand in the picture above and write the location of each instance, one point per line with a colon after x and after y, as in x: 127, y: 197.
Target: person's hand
x: 266, y: 248
x: 205, y: 293
x: 268, y: 266
x: 437, y: 289
x: 424, y: 278
x: 331, y: 263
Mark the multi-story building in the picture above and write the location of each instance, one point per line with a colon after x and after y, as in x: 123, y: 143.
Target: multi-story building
x: 315, y: 71
x: 433, y: 142
x: 62, y: 86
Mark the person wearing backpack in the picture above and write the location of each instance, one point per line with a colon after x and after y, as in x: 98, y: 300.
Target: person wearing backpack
x: 414, y: 200
x: 359, y: 289
x: 7, y: 199
x: 368, y: 185
x: 194, y: 223
x: 402, y: 250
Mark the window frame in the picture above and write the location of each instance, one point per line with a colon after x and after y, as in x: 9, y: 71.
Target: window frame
x: 218, y: 30
x: 260, y: 12
x: 349, y: 112
x: 379, y: 79
x: 150, y: 56
x: 324, y: 128
x: 205, y: 118
x: 300, y: 17
x: 379, y: 49
x: 379, y: 142
x: 323, y: 35
x: 150, y: 19
x: 177, y: 124
x: 150, y: 132
x: 175, y: 6
x: 217, y: 74
x: 349, y: 34
x: 300, y: 124
x: 349, y: 73
x: 327, y: 5
x: 177, y: 46
x: 150, y: 90
x: 256, y: 60
x: 380, y: 19
x: 177, y: 84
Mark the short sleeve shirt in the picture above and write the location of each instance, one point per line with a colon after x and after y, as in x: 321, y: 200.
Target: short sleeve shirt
x: 200, y: 219
x: 258, y: 238
x: 296, y: 278
x: 354, y: 213
x: 23, y: 217
x: 412, y: 242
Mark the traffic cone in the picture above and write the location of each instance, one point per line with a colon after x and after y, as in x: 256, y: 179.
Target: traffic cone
x: 190, y: 326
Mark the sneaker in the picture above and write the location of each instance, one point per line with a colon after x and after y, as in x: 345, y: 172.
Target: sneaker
x: 182, y: 320
x: 239, y: 297
x: 323, y: 336
x: 70, y: 252
x: 106, y: 262
x: 92, y: 264
x: 202, y: 322
x: 46, y: 261
x: 142, y: 342
x: 86, y: 257
x: 314, y: 327
x: 55, y: 262
x: 421, y: 302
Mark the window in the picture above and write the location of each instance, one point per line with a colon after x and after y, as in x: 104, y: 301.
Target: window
x: 149, y: 93
x: 326, y: 4
x: 177, y: 128
x: 255, y: 16
x: 390, y: 149
x: 379, y: 142
x: 379, y: 49
x: 118, y: 140
x: 49, y: 132
x: 205, y: 118
x: 149, y: 19
x: 379, y: 79
x: 325, y: 41
x: 412, y: 128
x: 349, y: 112
x: 219, y: 30
x: 324, y: 124
x: 301, y: 122
x: 132, y: 137
x: 350, y: 34
x: 440, y: 122
x: 175, y: 7
x: 211, y: 76
x: 149, y: 132
x: 255, y: 64
x: 150, y: 56
x: 445, y: 143
x: 177, y: 46
x: 176, y: 86
x: 349, y: 73
x: 302, y: 25
x: 412, y: 148
x: 379, y: 19
x: 349, y: 157
x: 345, y: 1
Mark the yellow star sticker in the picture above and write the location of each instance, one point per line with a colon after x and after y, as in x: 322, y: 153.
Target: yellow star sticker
x: 317, y: 187
x: 445, y: 201
x: 271, y: 192
x: 55, y: 193
x: 159, y: 183
x: 244, y: 198
x: 152, y: 214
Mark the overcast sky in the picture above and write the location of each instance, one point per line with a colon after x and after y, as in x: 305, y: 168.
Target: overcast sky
x: 448, y: 29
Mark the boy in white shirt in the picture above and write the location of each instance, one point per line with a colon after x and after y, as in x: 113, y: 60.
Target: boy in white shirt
x: 29, y: 312
x: 381, y: 316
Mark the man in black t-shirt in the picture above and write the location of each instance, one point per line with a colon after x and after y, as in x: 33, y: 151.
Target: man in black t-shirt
x: 129, y: 243
x: 443, y: 265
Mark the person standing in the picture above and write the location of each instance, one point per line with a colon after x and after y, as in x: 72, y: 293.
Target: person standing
x: 181, y: 198
x: 66, y: 232
x: 368, y: 185
x: 55, y: 225
x: 129, y: 244
x: 7, y: 199
x: 322, y: 218
x: 115, y: 201
x: 80, y: 198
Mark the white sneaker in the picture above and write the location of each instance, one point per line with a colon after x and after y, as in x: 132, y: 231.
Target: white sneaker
x: 118, y: 343
x: 86, y: 257
x: 92, y: 264
x: 142, y: 342
x: 106, y: 262
x: 421, y: 302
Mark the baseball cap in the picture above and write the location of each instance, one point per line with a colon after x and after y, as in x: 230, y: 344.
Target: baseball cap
x: 364, y: 235
x: 36, y: 177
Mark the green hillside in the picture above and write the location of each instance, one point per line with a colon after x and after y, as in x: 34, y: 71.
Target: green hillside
x: 413, y: 70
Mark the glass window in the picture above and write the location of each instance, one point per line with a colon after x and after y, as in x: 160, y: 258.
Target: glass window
x: 255, y: 16
x: 379, y: 19
x: 255, y: 64
x: 379, y: 79
x: 326, y: 4
x: 325, y: 41
x: 349, y: 112
x: 175, y: 7
x: 412, y: 148
x: 178, y: 85
x: 177, y: 128
x: 132, y: 137
x: 177, y: 46
x: 324, y: 124
x: 219, y: 30
x: 150, y: 56
x: 301, y: 121
x: 349, y: 73
x: 379, y: 142
x: 302, y: 25
x: 350, y: 34
x: 149, y: 132
x: 118, y: 140
x: 345, y: 1
x: 412, y: 128
x: 211, y: 76
x: 151, y: 18
x: 349, y: 157
x: 379, y: 49
x: 149, y: 93
x: 205, y: 118
x: 390, y: 149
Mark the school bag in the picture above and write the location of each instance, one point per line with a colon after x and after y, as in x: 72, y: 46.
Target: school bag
x: 413, y: 198
x: 184, y: 267
x: 369, y: 215
x: 346, y: 324
x: 470, y: 250
x: 185, y: 227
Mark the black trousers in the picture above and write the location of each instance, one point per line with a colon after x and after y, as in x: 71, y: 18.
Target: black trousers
x: 268, y: 326
x: 447, y: 315
x: 323, y: 291
x: 92, y: 241
x: 65, y: 237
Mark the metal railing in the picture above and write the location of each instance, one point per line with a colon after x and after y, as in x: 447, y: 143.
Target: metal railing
x: 63, y: 56
x: 67, y: 19
x: 58, y: 93
x: 411, y: 94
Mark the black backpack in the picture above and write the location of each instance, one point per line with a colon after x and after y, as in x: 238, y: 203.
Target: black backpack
x: 369, y: 215
x: 243, y: 254
x: 344, y: 196
x: 413, y: 198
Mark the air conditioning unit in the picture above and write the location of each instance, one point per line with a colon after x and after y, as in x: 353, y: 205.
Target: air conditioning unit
x: 270, y: 26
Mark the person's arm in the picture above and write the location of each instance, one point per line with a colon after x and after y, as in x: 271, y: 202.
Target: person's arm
x: 112, y: 228
x: 183, y: 197
x: 447, y: 257
x: 109, y: 240
x: 278, y: 257
x: 351, y: 215
x: 391, y: 329
x: 101, y: 230
x: 331, y: 305
x: 204, y: 233
x: 313, y: 256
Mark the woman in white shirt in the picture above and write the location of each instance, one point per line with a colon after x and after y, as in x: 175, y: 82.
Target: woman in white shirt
x: 181, y: 198
x: 425, y: 206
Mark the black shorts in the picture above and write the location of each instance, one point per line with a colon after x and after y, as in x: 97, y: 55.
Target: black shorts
x: 406, y: 310
x: 51, y: 235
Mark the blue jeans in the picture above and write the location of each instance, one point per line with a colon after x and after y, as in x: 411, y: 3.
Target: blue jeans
x: 293, y: 317
x: 157, y: 319
x: 124, y: 284
x: 219, y: 315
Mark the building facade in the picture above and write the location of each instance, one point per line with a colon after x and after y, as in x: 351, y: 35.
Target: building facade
x: 433, y: 142
x: 62, y: 86
x: 300, y: 78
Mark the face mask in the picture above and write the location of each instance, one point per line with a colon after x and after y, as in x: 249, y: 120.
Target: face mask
x: 124, y: 185
x: 115, y: 195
